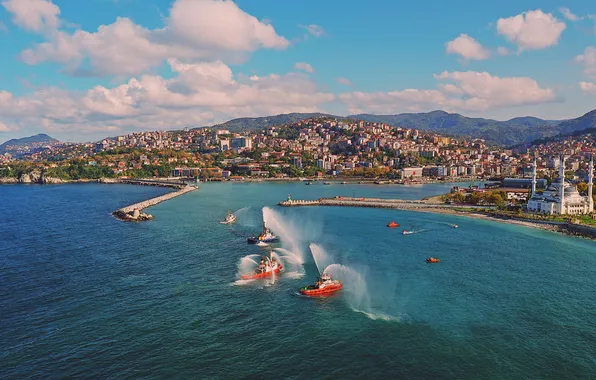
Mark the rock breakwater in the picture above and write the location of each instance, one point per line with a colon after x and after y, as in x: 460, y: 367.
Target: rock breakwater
x: 133, y: 213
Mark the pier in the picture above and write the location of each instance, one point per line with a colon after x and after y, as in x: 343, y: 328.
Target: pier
x: 373, y: 203
x: 133, y: 213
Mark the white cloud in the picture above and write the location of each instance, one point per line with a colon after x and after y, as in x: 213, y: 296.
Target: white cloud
x: 313, y: 29
x: 7, y: 128
x: 588, y: 87
x: 344, y: 81
x: 501, y: 50
x: 195, y: 29
x: 304, y: 66
x: 532, y: 30
x: 468, y: 91
x: 468, y: 48
x: 566, y: 12
x: 199, y: 94
x: 588, y: 60
x: 34, y: 15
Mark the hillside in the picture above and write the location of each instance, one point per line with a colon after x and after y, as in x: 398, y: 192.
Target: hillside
x: 27, y: 144
x: 581, y: 123
x: 248, y: 123
x: 511, y: 132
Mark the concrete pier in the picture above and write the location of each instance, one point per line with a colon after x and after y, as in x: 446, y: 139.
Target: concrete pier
x: 373, y: 203
x: 133, y: 213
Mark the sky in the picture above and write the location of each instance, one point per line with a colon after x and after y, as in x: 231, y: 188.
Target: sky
x: 85, y: 70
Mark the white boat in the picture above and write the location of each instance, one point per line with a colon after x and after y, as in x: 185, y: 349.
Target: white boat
x: 454, y: 226
x: 262, y: 244
x: 230, y: 218
x: 406, y: 232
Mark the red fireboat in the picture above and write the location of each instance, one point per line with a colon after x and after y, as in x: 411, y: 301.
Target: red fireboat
x: 267, y: 268
x: 325, y: 286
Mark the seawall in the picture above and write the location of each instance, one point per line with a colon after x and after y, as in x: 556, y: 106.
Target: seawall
x: 133, y: 213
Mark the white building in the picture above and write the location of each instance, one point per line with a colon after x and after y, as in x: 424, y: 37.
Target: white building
x: 560, y: 197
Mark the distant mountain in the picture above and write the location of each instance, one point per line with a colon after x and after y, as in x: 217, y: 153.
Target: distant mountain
x: 27, y: 144
x: 250, y: 123
x: 574, y: 125
x: 511, y: 132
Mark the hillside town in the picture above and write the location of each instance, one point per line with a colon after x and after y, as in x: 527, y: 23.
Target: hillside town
x: 317, y: 147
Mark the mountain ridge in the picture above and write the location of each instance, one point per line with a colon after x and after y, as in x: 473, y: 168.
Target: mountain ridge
x: 14, y: 145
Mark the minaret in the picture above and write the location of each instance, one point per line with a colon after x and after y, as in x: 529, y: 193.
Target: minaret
x: 590, y: 181
x: 562, y: 188
x: 533, y: 180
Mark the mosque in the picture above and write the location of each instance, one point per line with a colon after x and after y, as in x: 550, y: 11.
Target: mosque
x: 560, y: 197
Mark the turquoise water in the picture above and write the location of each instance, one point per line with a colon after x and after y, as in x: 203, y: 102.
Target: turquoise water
x: 84, y: 295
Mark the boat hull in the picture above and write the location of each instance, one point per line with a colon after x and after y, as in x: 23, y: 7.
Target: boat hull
x: 312, y: 291
x: 255, y: 240
x: 255, y: 276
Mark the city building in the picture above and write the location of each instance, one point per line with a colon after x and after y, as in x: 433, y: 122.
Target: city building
x: 560, y: 197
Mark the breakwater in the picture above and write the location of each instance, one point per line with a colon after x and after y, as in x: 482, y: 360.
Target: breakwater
x: 374, y: 203
x: 133, y: 213
x: 476, y: 212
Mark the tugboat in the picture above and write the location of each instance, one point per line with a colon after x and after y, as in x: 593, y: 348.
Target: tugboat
x: 393, y: 224
x: 265, y: 237
x: 432, y: 260
x: 324, y: 286
x: 267, y: 268
x: 229, y: 219
x: 406, y: 232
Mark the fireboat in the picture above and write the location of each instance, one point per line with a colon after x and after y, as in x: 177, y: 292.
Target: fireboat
x: 229, y: 219
x: 266, y: 237
x: 266, y: 268
x: 324, y: 286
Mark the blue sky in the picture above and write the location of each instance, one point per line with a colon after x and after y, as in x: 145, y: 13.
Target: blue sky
x: 83, y: 70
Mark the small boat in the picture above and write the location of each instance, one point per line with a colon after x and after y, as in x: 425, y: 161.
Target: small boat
x: 454, y: 226
x: 267, y: 268
x: 324, y: 286
x: 406, y: 232
x: 344, y: 183
x: 393, y: 224
x: 229, y: 219
x: 308, y: 183
x: 262, y: 244
x: 265, y: 237
x: 432, y: 260
x: 326, y: 183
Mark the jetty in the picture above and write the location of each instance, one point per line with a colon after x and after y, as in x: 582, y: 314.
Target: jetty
x: 372, y: 203
x: 134, y: 213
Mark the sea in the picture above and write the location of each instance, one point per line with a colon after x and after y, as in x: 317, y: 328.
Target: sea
x: 84, y: 295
